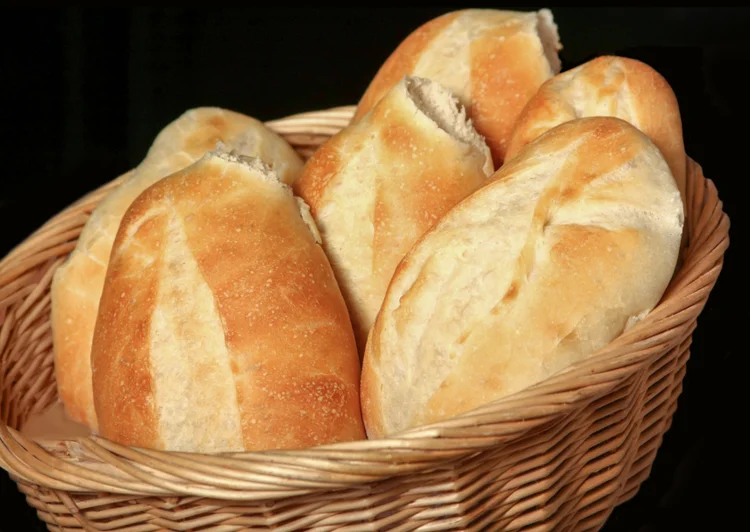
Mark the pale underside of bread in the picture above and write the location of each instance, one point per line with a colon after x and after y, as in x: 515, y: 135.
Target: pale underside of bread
x: 77, y: 283
x: 573, y: 241
x: 199, y: 352
x: 379, y: 184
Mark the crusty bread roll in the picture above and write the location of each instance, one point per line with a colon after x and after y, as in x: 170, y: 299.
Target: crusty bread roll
x: 77, y: 284
x: 492, y: 60
x: 221, y: 326
x: 379, y: 184
x: 574, y: 240
x: 608, y: 86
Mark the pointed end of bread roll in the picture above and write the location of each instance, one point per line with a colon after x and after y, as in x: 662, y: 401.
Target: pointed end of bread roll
x: 441, y: 106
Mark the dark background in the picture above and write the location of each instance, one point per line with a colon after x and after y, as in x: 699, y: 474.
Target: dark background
x: 83, y: 94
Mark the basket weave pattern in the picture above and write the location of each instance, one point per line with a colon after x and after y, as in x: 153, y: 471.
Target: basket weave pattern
x: 557, y: 456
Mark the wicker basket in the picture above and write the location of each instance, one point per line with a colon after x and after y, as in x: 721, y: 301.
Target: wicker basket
x: 558, y: 456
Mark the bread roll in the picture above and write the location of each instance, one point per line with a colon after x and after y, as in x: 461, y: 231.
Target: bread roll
x: 493, y: 61
x: 379, y: 184
x: 574, y: 240
x: 608, y: 86
x: 221, y: 326
x: 77, y: 284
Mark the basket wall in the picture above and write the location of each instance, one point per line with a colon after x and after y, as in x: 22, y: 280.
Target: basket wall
x: 558, y: 456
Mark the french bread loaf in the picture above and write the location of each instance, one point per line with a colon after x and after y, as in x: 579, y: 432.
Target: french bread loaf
x: 77, y: 284
x: 380, y: 183
x: 492, y: 60
x: 573, y: 241
x: 221, y: 327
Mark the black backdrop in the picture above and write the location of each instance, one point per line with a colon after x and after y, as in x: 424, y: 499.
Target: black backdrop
x: 83, y: 93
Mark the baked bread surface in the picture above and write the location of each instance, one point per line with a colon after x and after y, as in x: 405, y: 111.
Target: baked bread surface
x: 492, y: 60
x: 380, y: 183
x: 574, y: 240
x: 77, y: 283
x: 221, y: 326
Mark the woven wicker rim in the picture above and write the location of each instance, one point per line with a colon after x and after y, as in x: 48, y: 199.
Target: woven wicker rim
x: 98, y: 465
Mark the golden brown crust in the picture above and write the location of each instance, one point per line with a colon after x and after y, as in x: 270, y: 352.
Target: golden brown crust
x: 401, y: 62
x: 608, y: 86
x: 301, y: 389
x: 587, y: 215
x: 372, y: 412
x: 121, y: 380
x: 379, y: 184
x: 498, y: 56
x: 77, y: 284
x: 320, y: 169
x: 492, y: 60
x: 284, y: 333
x: 73, y: 319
